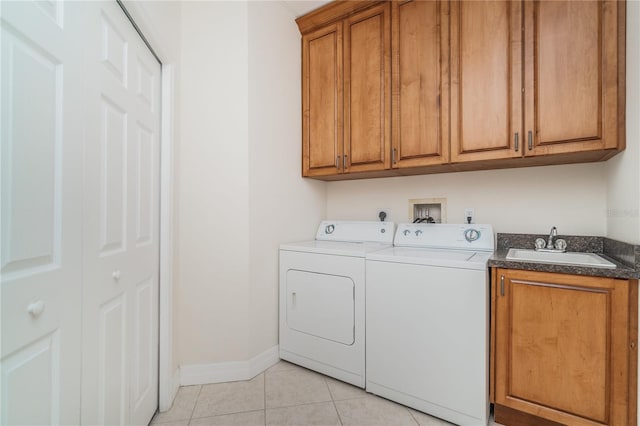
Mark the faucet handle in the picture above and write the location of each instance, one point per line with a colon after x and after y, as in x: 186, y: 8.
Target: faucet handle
x: 561, y: 244
x: 540, y: 243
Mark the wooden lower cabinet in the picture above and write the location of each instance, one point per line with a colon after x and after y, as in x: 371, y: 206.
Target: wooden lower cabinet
x: 563, y: 349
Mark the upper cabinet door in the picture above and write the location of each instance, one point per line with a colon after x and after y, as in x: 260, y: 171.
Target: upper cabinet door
x: 420, y: 83
x: 322, y: 101
x: 571, y: 75
x: 367, y: 85
x: 486, y: 80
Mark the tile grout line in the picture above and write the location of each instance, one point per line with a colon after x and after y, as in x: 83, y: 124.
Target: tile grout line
x: 195, y: 403
x: 211, y: 415
x: 264, y: 394
x: 412, y: 416
x: 226, y: 414
x: 304, y: 404
x: 333, y: 401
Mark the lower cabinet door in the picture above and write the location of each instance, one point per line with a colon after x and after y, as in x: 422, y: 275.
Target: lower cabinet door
x: 562, y: 347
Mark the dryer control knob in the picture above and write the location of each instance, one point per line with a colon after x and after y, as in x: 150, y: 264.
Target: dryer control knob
x: 406, y: 232
x: 329, y: 229
x: 418, y: 232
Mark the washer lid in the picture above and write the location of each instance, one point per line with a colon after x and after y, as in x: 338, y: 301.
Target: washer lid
x: 354, y: 249
x: 446, y: 236
x: 355, y: 231
x: 461, y: 259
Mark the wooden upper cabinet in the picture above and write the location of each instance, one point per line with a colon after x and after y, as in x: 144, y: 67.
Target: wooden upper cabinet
x: 420, y: 83
x: 486, y: 80
x: 407, y: 87
x: 536, y: 78
x: 322, y: 101
x: 367, y: 85
x: 571, y: 76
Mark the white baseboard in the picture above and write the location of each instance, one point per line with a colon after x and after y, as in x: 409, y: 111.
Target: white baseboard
x: 200, y: 374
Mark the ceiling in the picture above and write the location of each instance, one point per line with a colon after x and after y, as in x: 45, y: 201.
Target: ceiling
x: 301, y: 7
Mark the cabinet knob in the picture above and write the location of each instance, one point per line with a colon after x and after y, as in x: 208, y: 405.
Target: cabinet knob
x: 35, y: 309
x: 633, y: 345
x: 116, y: 275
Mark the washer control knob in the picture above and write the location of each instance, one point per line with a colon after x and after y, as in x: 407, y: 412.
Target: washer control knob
x: 418, y: 232
x: 471, y: 235
x: 406, y: 232
x: 329, y: 229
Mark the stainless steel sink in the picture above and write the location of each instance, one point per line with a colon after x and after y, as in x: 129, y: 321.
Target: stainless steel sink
x: 591, y: 260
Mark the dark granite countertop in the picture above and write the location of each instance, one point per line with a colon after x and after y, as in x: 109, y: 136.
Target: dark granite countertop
x: 625, y: 256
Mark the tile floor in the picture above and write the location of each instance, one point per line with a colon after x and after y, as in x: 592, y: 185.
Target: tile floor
x: 287, y: 394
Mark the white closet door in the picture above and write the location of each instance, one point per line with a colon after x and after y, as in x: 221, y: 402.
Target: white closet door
x: 121, y: 223
x: 41, y: 181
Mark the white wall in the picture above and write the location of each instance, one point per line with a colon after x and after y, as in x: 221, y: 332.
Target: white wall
x: 528, y: 200
x: 282, y: 205
x: 239, y: 192
x: 623, y: 171
x: 212, y: 234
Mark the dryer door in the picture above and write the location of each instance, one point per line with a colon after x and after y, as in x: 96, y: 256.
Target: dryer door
x: 321, y: 305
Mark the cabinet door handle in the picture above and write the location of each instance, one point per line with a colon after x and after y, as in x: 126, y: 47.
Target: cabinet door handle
x: 502, y: 285
x: 338, y: 162
x: 344, y: 162
x: 393, y: 155
x: 516, y: 143
x: 293, y: 299
x: 530, y: 140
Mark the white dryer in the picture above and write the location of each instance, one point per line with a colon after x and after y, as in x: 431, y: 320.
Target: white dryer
x: 322, y: 297
x: 428, y: 320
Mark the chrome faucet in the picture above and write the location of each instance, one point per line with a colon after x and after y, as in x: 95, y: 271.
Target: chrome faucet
x: 552, y: 234
x: 553, y: 243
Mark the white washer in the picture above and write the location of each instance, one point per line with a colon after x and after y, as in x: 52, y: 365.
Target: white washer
x: 428, y: 320
x: 322, y: 297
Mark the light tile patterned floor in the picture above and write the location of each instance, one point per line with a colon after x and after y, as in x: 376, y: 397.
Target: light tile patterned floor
x: 289, y: 395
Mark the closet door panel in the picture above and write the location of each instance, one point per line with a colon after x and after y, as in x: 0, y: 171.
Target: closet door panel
x: 121, y: 224
x: 40, y: 201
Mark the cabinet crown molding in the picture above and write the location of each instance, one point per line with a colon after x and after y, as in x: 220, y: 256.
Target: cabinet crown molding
x: 332, y: 12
